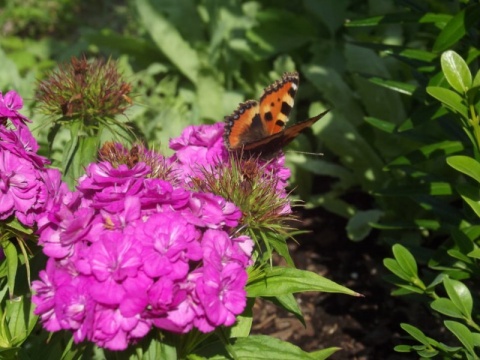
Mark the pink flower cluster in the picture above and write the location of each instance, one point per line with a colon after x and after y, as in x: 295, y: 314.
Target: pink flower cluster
x: 26, y: 186
x: 128, y: 252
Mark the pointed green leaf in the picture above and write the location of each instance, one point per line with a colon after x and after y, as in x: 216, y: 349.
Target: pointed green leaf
x: 465, y: 165
x: 430, y: 151
x: 450, y: 99
x: 169, y: 40
x: 243, y: 325
x: 446, y: 307
x: 396, y: 18
x: 21, y: 319
x: 471, y: 195
x: 259, y: 347
x: 400, y: 87
x: 383, y: 125
x: 359, y: 225
x: 289, y: 303
x: 460, y: 295
x: 476, y: 80
x: 462, y: 333
x: 456, y: 28
x: 11, y: 256
x: 417, y: 334
x: 456, y: 71
x: 475, y: 253
x: 394, y: 267
x: 279, y: 281
x: 405, y: 260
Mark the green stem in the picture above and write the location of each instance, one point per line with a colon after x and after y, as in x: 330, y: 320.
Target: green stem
x: 475, y: 123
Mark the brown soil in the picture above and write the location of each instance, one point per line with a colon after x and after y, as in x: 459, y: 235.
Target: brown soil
x: 364, y: 327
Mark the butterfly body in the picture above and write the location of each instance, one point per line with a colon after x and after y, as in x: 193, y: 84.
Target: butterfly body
x: 258, y: 127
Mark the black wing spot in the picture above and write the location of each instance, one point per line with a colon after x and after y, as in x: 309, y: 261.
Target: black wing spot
x: 257, y: 121
x: 268, y: 116
x: 285, y: 110
x: 280, y: 123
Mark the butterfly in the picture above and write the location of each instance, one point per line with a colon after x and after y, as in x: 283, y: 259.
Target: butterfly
x: 258, y: 127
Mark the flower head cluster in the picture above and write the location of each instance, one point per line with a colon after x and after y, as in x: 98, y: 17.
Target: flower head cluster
x: 26, y: 186
x: 200, y: 150
x: 128, y: 252
x: 87, y: 90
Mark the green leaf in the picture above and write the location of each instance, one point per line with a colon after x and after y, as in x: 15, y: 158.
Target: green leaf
x: 278, y: 281
x: 405, y: 260
x: 383, y: 125
x: 456, y: 28
x: 416, y: 333
x: 446, y: 307
x: 427, y: 353
x: 427, y: 152
x: 431, y: 188
x: 289, y: 303
x: 259, y: 347
x: 396, y: 18
x: 475, y: 253
x: 21, y: 319
x: 460, y: 296
x: 462, y: 333
x: 465, y: 165
x: 210, y: 94
x: 450, y: 99
x: 359, y: 225
x: 243, y: 325
x: 403, y: 348
x: 11, y: 256
x: 271, y: 36
x: 400, y: 87
x: 471, y: 195
x: 456, y: 71
x: 169, y: 40
x: 394, y: 267
x: 159, y: 350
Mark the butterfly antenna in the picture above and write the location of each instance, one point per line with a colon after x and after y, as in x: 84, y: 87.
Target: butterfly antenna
x: 305, y: 153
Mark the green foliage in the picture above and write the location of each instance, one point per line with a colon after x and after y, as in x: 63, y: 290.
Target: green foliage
x: 445, y: 132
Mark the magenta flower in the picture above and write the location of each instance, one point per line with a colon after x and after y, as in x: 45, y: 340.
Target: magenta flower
x: 169, y: 243
x: 21, y: 188
x: 197, y: 148
x: 10, y: 103
x: 222, y: 294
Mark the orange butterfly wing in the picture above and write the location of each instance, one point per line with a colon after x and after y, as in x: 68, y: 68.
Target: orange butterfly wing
x: 273, y: 143
x: 277, y: 102
x: 258, y: 128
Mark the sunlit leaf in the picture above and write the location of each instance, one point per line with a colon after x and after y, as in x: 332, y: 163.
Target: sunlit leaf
x: 465, y: 165
x: 450, y: 99
x: 460, y: 295
x: 462, y: 333
x: 456, y: 71
x: 278, y: 281
x: 400, y: 87
x: 416, y: 333
x: 405, y: 260
x: 446, y: 307
x: 456, y: 28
